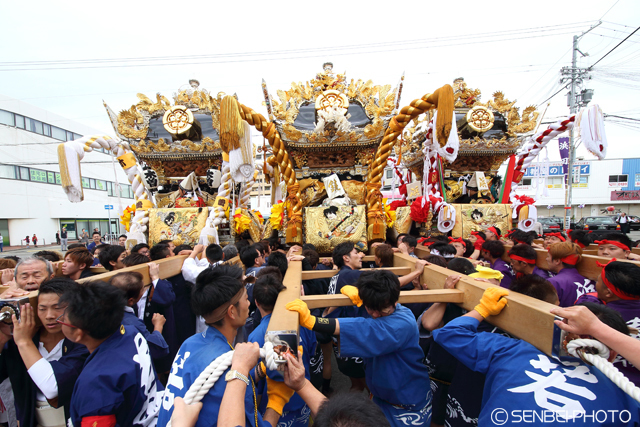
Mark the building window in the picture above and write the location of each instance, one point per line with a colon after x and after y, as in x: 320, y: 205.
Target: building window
x: 58, y: 179
x: 7, y: 171
x: 109, y: 188
x: 38, y: 175
x: 618, y: 181
x: 19, y: 121
x: 24, y: 173
x: 389, y: 174
x: 51, y: 177
x: 6, y: 118
x: 526, y: 181
x: 47, y: 129
x: 101, y: 185
x: 58, y: 133
x: 85, y: 182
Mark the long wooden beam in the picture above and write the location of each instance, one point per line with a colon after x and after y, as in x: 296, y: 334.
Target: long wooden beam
x: 283, y: 325
x: 406, y: 297
x: 323, y: 274
x: 169, y: 267
x: 524, y: 317
x: 588, y: 266
x: 367, y: 258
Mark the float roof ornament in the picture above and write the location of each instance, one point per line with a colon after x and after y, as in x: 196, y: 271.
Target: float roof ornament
x: 489, y: 132
x: 329, y: 117
x: 173, y: 138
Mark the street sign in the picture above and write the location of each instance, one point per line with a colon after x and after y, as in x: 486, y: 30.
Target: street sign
x: 108, y: 207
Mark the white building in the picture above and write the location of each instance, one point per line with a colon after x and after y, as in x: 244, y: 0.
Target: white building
x: 597, y: 184
x: 33, y: 201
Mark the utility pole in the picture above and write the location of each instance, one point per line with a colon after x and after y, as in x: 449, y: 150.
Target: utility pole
x: 576, y: 76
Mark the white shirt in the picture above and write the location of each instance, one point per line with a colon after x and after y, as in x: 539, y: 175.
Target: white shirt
x: 622, y: 219
x: 142, y: 303
x: 191, y: 268
x: 42, y: 373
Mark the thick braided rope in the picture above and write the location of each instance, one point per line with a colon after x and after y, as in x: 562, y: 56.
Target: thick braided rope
x: 269, y: 131
x: 532, y: 147
x: 212, y: 373
x: 224, y: 190
x: 89, y: 143
x: 245, y: 194
x: 396, y: 126
x: 600, y: 361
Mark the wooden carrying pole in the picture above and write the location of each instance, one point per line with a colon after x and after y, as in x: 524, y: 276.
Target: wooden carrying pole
x: 588, y: 265
x: 524, y: 317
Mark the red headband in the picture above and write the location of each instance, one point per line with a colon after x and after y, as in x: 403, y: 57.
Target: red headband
x: 614, y: 243
x: 617, y: 292
x: 494, y: 231
x: 456, y: 239
x: 571, y: 259
x: 476, y: 233
x: 558, y: 235
x: 519, y: 258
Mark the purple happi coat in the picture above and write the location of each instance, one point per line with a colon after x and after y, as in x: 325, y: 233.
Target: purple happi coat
x: 570, y: 286
x: 504, y: 268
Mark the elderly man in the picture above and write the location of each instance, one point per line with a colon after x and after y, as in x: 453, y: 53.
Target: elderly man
x: 31, y: 272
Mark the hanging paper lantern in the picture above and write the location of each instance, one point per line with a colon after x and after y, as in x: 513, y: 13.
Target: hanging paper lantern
x: 581, y: 206
x: 610, y: 208
x: 550, y: 207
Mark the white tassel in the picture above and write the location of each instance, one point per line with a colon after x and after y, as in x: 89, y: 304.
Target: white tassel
x: 590, y: 125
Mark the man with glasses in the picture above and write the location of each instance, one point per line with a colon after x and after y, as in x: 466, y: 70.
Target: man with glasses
x: 118, y: 384
x: 253, y: 259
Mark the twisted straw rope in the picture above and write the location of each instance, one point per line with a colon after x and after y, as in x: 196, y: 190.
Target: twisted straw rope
x: 224, y: 190
x: 396, y: 126
x: 140, y: 192
x: 212, y: 373
x: 269, y: 131
x: 600, y: 361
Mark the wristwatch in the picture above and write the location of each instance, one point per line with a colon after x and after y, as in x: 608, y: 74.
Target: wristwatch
x: 235, y: 375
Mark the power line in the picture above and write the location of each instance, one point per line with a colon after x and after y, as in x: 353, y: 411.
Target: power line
x: 272, y: 56
x: 614, y: 48
x: 548, y: 28
x: 561, y: 89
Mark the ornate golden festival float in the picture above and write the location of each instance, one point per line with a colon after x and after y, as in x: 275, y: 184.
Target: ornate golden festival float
x: 191, y: 162
x: 459, y: 180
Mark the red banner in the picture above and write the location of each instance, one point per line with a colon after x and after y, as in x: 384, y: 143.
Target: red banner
x: 625, y: 195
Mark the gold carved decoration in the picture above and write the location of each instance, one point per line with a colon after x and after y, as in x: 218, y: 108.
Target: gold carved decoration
x: 499, y: 103
x: 464, y: 97
x: 291, y: 133
x: 332, y: 99
x: 178, y: 120
x: 480, y: 118
x: 378, y: 101
x: 526, y: 124
x: 374, y: 129
x: 479, y: 217
x: 128, y: 123
x: 149, y: 147
x: 145, y: 104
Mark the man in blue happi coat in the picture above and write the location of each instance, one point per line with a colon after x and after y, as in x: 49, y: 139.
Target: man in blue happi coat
x: 387, y: 341
x: 221, y: 299
x: 523, y: 383
x: 118, y: 385
x: 296, y: 412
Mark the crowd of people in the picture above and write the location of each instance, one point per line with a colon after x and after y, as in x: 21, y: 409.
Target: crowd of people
x: 126, y: 351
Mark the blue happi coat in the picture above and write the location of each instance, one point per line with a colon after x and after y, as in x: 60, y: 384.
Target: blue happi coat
x: 118, y: 380
x: 522, y: 382
x: 195, y: 354
x: 394, y: 372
